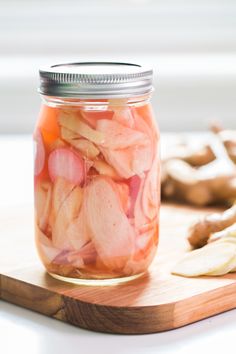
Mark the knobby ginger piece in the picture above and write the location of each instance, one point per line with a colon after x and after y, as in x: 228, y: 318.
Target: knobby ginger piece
x: 212, y: 183
x: 200, y: 187
x: 194, y: 153
x: 200, y: 232
x: 228, y: 232
x: 228, y: 138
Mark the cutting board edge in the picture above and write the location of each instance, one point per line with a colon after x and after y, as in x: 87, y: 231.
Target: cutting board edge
x: 114, y: 319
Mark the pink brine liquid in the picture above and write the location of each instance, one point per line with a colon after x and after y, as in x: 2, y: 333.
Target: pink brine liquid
x: 96, y: 189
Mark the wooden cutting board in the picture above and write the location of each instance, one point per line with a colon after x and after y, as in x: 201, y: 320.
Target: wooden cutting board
x: 156, y: 302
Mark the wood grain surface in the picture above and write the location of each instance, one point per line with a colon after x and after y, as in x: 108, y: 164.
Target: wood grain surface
x: 156, y: 302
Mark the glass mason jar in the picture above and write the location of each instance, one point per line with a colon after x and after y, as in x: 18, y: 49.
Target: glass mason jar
x: 97, y: 172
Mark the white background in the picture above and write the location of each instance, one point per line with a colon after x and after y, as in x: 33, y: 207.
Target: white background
x: 191, y: 44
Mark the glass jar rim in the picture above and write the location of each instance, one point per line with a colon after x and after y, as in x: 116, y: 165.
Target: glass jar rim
x: 95, y: 80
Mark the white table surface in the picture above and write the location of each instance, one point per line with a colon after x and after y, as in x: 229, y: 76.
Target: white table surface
x: 23, y: 331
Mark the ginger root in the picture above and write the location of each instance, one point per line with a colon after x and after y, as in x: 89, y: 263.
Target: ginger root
x: 227, y: 234
x: 212, y: 183
x: 228, y: 138
x: 195, y: 153
x: 200, y: 232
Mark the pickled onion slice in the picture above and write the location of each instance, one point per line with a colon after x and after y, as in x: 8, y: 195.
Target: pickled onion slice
x: 134, y: 185
x: 87, y: 253
x: 120, y: 160
x: 141, y: 125
x: 68, y: 206
x: 39, y: 153
x: 130, y: 161
x: 124, y: 117
x: 117, y: 136
x: 141, y: 159
x: 61, y: 190
x: 111, y: 231
x: 123, y: 192
x: 151, y: 192
x: 45, y: 247
x: 77, y: 231
x: 67, y: 164
x: 140, y: 218
x: 43, y: 194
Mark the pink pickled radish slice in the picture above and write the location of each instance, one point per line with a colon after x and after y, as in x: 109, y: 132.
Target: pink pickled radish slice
x: 67, y: 164
x: 111, y: 232
x: 39, y: 153
x: 134, y: 184
x: 117, y: 136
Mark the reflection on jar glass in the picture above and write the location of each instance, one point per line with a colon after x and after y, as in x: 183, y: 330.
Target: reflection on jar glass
x: 97, y: 172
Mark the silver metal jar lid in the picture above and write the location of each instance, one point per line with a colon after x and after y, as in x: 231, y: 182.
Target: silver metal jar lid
x: 95, y: 80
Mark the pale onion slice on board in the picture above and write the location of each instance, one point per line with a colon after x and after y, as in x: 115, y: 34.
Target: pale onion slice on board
x: 231, y: 265
x: 205, y: 260
x: 230, y: 239
x: 227, y: 268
